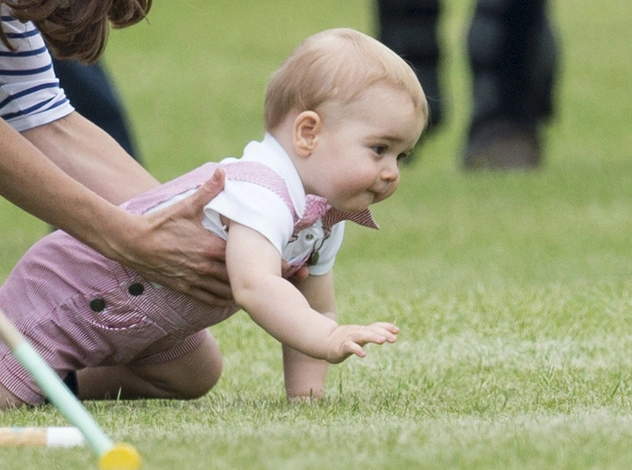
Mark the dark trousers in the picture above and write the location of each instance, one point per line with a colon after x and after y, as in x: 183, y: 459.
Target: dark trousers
x: 511, y: 49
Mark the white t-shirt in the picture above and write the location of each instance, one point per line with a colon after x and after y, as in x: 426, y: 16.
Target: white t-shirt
x: 30, y: 95
x: 262, y: 210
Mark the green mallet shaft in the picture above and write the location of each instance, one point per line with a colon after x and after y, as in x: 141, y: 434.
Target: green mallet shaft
x: 53, y: 387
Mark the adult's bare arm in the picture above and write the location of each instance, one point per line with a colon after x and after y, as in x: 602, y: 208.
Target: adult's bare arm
x: 89, y: 155
x: 169, y: 247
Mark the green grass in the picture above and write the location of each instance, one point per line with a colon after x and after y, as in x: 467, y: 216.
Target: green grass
x: 513, y: 292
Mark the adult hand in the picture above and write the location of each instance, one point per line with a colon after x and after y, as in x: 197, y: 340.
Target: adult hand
x: 299, y: 275
x: 175, y: 251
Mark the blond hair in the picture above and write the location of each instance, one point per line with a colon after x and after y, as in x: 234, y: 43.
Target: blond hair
x: 336, y: 65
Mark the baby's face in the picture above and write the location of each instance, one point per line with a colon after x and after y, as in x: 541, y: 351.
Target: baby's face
x: 361, y: 144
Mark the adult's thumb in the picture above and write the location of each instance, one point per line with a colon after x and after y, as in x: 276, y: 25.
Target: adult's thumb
x: 210, y: 188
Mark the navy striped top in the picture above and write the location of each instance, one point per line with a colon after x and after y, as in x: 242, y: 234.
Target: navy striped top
x: 30, y: 95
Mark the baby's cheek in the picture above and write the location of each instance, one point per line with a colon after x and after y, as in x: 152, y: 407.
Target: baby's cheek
x: 392, y: 188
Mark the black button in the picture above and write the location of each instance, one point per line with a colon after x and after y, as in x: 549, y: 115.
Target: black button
x: 313, y: 258
x: 136, y: 289
x: 97, y: 305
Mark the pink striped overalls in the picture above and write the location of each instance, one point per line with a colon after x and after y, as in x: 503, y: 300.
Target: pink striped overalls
x: 79, y: 309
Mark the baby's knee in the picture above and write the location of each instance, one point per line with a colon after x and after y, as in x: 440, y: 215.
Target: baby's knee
x: 200, y: 371
x: 189, y: 376
x: 201, y: 379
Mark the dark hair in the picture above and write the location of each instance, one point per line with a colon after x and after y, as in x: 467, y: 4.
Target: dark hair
x: 77, y: 29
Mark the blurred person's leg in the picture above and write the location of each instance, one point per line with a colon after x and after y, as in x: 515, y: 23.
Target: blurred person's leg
x: 91, y: 92
x: 409, y: 27
x: 513, y: 57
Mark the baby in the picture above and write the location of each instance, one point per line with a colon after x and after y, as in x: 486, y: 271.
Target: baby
x: 340, y: 113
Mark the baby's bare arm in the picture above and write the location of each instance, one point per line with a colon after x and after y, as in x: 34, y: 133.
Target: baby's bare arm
x: 254, y: 268
x: 305, y: 376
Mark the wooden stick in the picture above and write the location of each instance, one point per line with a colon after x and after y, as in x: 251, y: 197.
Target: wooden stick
x: 43, y: 437
x: 9, y: 333
x: 111, y: 457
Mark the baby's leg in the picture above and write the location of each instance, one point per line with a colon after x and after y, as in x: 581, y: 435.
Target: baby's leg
x: 189, y: 376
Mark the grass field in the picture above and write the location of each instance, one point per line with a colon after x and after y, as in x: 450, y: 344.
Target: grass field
x: 513, y: 291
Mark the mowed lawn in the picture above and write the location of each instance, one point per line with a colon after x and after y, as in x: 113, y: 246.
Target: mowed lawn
x: 513, y: 291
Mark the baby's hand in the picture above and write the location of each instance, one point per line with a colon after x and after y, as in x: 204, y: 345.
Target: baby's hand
x: 346, y: 340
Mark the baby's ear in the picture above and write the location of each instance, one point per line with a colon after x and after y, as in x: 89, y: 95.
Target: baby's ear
x: 307, y: 125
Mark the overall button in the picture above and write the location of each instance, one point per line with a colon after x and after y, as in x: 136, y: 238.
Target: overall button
x: 97, y: 305
x: 136, y: 289
x: 313, y: 258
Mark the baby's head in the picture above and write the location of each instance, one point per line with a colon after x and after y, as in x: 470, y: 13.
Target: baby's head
x: 347, y: 109
x: 336, y: 65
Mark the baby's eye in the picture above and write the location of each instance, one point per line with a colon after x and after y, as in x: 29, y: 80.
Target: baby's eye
x: 379, y: 149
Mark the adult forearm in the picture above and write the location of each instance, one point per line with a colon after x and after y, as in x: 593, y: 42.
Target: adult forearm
x: 90, y: 156
x: 169, y: 247
x: 37, y: 185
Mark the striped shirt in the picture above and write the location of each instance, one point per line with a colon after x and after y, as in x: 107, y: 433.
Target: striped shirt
x: 30, y: 94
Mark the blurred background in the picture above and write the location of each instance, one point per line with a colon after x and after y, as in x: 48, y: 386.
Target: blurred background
x: 193, y: 77
x: 512, y: 289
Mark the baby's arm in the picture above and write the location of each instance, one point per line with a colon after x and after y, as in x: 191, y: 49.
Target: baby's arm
x: 254, y: 268
x: 304, y: 375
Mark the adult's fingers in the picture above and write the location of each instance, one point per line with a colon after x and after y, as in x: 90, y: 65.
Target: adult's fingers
x: 217, y: 295
x: 192, y: 207
x: 179, y: 253
x: 208, y: 190
x: 301, y: 274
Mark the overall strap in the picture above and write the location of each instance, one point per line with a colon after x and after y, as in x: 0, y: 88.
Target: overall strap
x: 191, y: 180
x: 251, y: 172
x: 316, y: 207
